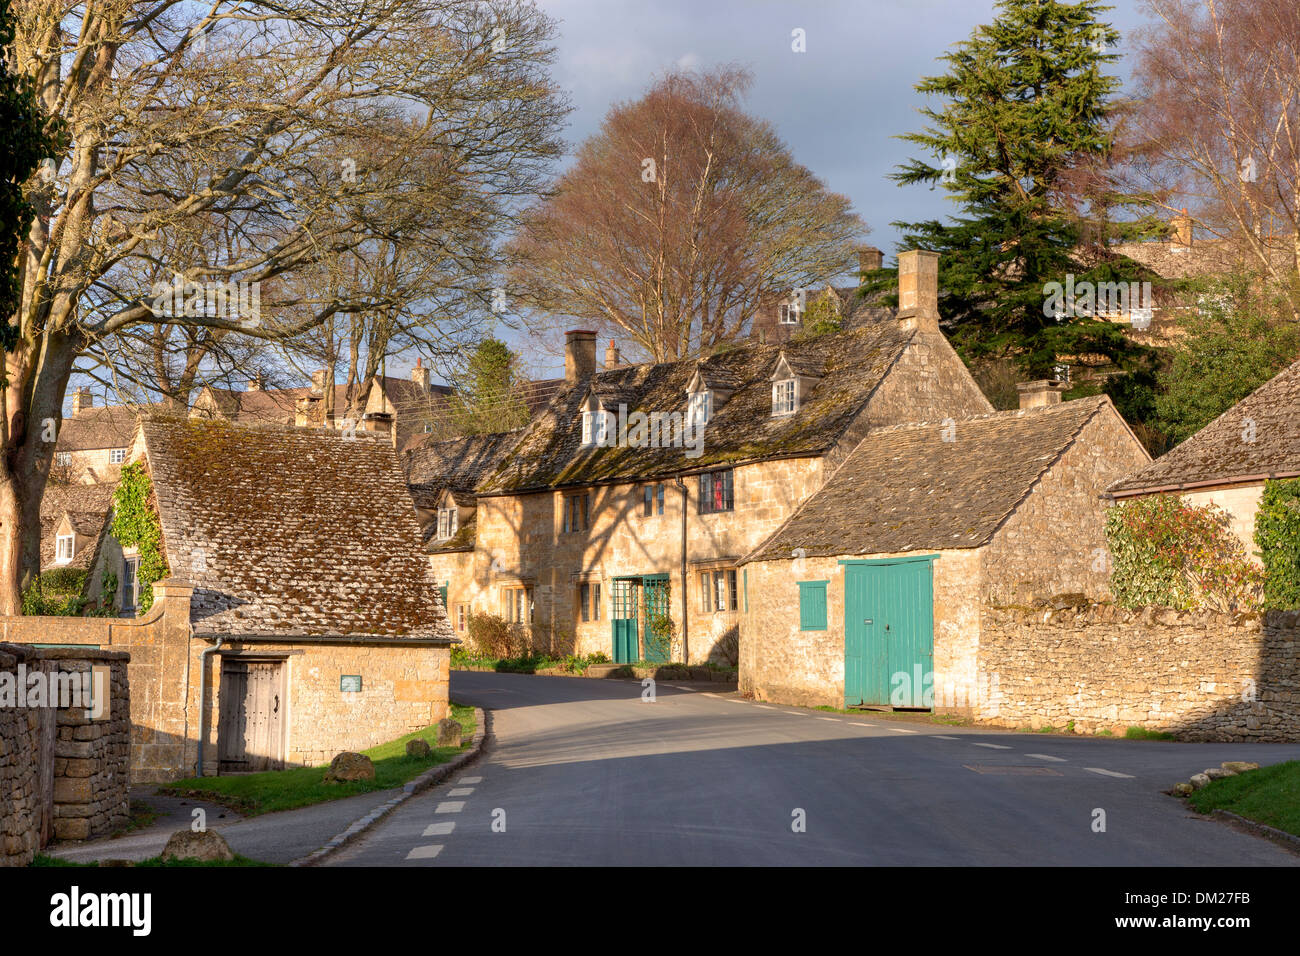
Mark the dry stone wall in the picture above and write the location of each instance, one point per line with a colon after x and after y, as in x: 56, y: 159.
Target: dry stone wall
x: 1199, y: 674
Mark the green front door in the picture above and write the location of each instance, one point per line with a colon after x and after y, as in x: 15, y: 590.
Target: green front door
x: 656, y: 636
x: 888, y: 632
x: 623, y: 620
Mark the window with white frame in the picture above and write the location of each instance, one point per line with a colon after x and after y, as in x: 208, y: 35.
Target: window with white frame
x: 597, y: 428
x: 63, y: 459
x: 718, y: 591
x: 700, y: 408
x: 785, y: 397
x: 577, y: 513
x: 462, y: 618
x: 789, y: 314
x: 448, y: 519
x: 519, y: 605
x: 117, y: 456
x: 64, y: 546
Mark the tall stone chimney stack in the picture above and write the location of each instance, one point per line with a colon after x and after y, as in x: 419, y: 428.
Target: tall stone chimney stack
x: 612, y: 358
x: 579, y: 354
x: 82, y: 398
x: 1182, y: 237
x: 869, y: 259
x: 918, y: 290
x: 420, y: 375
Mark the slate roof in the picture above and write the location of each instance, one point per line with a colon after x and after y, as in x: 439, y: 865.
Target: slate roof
x: 102, y: 426
x: 291, y: 531
x: 258, y: 405
x: 904, y: 488
x: 1219, y: 453
x: 550, y: 453
x: 87, y: 507
x: 457, y: 465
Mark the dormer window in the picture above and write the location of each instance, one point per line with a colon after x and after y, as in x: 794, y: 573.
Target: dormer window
x: 597, y: 428
x: 700, y: 408
x: 789, y: 314
x: 785, y: 397
x: 448, y: 521
x: 64, y: 546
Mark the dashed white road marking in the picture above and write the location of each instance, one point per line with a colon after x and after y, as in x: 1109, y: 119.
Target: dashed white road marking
x: 944, y: 737
x: 425, y: 852
x: 835, y: 719
x: 439, y: 829
x: 1046, y: 757
x: 764, y: 707
x: 464, y: 780
x: 689, y: 690
x: 994, y: 746
x: 460, y: 792
x: 900, y: 730
x: 1108, y: 773
x: 450, y: 806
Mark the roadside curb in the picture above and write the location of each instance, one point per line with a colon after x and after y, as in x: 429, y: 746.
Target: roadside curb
x: 665, y: 674
x: 1263, y: 830
x: 430, y: 778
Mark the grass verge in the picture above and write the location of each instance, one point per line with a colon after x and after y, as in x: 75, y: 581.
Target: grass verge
x: 257, y: 793
x: 1269, y: 795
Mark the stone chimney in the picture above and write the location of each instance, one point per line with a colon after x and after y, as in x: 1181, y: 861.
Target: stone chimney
x: 82, y: 398
x: 318, y: 381
x: 869, y: 259
x: 579, y: 354
x: 612, y: 358
x: 1182, y: 237
x: 918, y: 290
x: 420, y: 375
x: 1044, y: 391
x: 255, y: 383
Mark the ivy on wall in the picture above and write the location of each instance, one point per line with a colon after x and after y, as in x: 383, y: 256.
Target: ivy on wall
x: 136, y: 525
x: 1277, y: 533
x: 1169, y: 553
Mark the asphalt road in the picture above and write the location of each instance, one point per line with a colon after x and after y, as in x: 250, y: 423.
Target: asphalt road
x: 587, y: 772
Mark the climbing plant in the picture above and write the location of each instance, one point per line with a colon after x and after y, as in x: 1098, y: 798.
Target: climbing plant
x: 1277, y: 533
x: 135, y: 525
x: 1169, y: 553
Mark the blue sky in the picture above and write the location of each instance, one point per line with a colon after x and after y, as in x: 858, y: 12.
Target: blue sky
x: 839, y: 105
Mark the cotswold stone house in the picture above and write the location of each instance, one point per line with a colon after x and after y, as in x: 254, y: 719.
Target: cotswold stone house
x: 93, y: 441
x: 871, y: 593
x: 301, y: 617
x: 1227, y: 462
x: 781, y: 319
x: 634, y: 497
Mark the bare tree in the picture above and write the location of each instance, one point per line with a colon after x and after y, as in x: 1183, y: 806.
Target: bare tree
x: 288, y: 128
x: 1216, y: 127
x: 680, y: 216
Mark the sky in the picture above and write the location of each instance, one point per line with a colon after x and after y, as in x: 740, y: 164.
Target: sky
x: 839, y: 105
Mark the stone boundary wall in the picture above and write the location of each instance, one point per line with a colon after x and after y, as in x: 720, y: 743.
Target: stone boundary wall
x: 1199, y: 674
x: 62, y: 774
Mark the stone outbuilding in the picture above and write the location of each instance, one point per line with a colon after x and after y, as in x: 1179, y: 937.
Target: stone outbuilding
x: 301, y: 617
x: 871, y: 592
x: 1227, y: 462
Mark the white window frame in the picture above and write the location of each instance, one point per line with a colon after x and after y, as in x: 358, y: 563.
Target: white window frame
x: 597, y: 428
x: 789, y: 314
x: 785, y: 397
x: 448, y: 522
x: 700, y: 408
x: 116, y: 456
x: 59, y: 548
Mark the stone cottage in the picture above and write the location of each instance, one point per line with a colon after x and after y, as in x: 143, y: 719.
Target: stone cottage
x: 617, y: 521
x: 871, y: 592
x: 300, y: 617
x: 93, y: 441
x: 1227, y: 462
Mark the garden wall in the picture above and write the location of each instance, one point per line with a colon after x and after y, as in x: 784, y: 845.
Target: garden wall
x: 62, y: 774
x: 1202, y: 675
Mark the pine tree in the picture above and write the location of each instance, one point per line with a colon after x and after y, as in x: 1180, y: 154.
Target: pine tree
x: 1027, y: 106
x: 487, y: 396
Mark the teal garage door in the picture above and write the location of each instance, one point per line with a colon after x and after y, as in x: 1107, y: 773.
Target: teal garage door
x: 888, y: 631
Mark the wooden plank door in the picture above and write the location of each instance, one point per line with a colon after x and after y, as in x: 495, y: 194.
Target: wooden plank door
x: 888, y: 633
x: 251, y: 725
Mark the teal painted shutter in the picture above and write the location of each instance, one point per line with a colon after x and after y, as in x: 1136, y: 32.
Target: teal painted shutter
x: 443, y: 591
x: 744, y: 583
x: 812, y: 605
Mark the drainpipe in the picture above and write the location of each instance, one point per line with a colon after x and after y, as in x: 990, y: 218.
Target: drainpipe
x: 203, y: 699
x: 686, y: 624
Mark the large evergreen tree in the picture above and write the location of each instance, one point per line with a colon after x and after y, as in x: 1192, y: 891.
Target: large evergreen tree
x: 488, y: 396
x: 1027, y: 108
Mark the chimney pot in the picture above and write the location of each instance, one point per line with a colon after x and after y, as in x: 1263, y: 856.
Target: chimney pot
x: 579, y: 354
x: 318, y: 380
x: 918, y: 290
x: 420, y: 375
x: 612, y: 358
x: 1044, y: 391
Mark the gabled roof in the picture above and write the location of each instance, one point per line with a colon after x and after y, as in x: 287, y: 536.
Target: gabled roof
x: 550, y: 453
x: 906, y: 488
x: 87, y: 508
x: 257, y: 406
x: 1222, y: 451
x: 291, y: 531
x: 102, y: 426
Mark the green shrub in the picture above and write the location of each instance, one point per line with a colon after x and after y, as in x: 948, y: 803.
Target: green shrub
x: 1277, y: 533
x: 1172, y: 554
